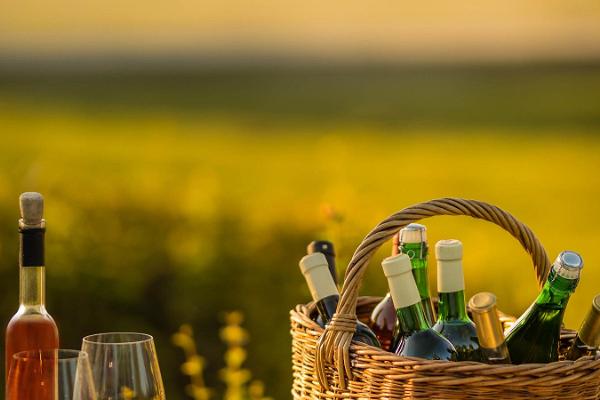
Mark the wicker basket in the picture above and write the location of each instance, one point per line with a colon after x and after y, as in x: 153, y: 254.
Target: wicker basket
x: 327, y: 365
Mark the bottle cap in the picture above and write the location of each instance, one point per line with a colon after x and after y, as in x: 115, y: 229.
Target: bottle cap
x: 413, y: 233
x: 487, y: 323
x: 315, y: 269
x: 31, y: 205
x: 403, y: 288
x: 589, y: 333
x: 449, y: 266
x: 449, y: 249
x: 568, y: 264
x: 321, y: 246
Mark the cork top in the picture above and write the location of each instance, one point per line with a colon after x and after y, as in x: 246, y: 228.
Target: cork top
x: 32, y: 209
x: 449, y: 249
x: 311, y: 261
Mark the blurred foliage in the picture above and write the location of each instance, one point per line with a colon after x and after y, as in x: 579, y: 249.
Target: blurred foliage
x: 172, y: 197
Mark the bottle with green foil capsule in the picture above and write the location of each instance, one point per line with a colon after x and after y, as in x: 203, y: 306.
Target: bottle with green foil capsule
x: 415, y: 338
x: 413, y: 242
x: 535, y: 337
x: 490, y: 332
x: 325, y: 293
x: 587, y: 341
x: 453, y: 322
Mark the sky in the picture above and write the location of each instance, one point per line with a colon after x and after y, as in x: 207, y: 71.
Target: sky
x: 381, y: 30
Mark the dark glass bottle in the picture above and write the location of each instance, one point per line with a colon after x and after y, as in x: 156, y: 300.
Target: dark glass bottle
x: 326, y: 296
x: 415, y: 336
x: 490, y: 333
x: 535, y: 337
x: 32, y: 327
x: 453, y: 322
x: 587, y: 341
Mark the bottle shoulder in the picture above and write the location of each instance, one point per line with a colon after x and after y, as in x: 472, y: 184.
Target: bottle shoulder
x: 426, y: 344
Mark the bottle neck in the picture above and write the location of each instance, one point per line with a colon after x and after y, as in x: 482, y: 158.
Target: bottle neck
x: 327, y: 306
x: 556, y: 291
x: 412, y: 319
x: 32, y: 288
x: 418, y: 259
x: 452, y: 306
x: 32, y: 271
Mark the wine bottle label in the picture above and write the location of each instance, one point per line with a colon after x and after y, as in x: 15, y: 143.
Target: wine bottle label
x: 449, y: 266
x: 318, y: 278
x: 403, y: 288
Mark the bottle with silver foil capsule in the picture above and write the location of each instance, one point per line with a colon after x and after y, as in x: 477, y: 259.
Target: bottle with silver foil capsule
x: 587, y: 341
x: 535, y: 337
x: 326, y: 296
x: 453, y: 322
x: 490, y: 332
x: 416, y: 338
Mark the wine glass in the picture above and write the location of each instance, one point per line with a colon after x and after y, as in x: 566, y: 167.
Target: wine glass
x: 124, y: 366
x: 50, y: 375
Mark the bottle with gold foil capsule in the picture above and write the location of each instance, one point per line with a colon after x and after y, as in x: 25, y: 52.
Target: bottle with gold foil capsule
x: 587, y: 341
x: 453, y: 322
x: 326, y: 296
x: 535, y: 337
x: 415, y: 338
x: 490, y: 332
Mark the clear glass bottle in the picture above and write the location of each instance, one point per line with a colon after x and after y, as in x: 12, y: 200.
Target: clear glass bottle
x: 490, y: 332
x: 32, y: 327
x: 535, y: 337
x: 415, y: 336
x: 453, y: 322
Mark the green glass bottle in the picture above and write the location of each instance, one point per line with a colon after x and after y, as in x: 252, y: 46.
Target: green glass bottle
x: 325, y: 293
x: 534, y: 338
x: 413, y: 242
x: 490, y: 333
x: 587, y: 341
x: 415, y: 336
x: 453, y: 322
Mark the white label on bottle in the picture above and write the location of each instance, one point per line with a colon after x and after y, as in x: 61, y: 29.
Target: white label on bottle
x: 320, y: 283
x: 450, y: 276
x: 403, y: 290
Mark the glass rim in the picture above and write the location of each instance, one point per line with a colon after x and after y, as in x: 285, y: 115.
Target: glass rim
x: 94, y: 338
x: 64, y: 355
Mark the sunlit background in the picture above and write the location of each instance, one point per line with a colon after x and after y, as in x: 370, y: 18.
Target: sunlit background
x: 189, y: 151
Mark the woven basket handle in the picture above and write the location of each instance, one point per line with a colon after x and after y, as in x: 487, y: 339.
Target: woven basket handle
x: 334, y: 344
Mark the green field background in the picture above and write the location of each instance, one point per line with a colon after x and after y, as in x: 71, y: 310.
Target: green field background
x: 174, y: 196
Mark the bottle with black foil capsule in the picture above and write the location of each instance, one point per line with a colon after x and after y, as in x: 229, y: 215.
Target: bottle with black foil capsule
x: 587, y: 341
x: 490, y: 332
x: 415, y: 338
x: 535, y: 337
x: 32, y: 327
x: 326, y: 248
x: 326, y: 296
x: 453, y: 322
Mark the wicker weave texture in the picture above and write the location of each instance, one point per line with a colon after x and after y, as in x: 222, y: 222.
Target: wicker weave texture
x: 327, y: 365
